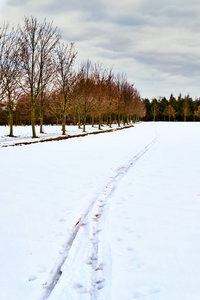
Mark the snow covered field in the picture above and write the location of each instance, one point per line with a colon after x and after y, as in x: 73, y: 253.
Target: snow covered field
x: 109, y: 216
x: 23, y: 134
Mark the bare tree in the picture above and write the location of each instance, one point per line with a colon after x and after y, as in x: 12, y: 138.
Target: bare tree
x: 137, y: 108
x: 23, y: 110
x: 100, y: 76
x: 128, y: 93
x: 86, y: 84
x: 76, y: 105
x: 121, y: 80
x: 66, y: 55
x: 48, y: 41
x: 10, y: 74
x: 54, y: 107
x: 154, y: 109
x: 3, y: 41
x: 37, y: 44
x: 197, y: 112
x: 110, y: 95
x: 170, y: 111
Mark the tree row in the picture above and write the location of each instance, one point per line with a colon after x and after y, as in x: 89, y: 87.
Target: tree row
x: 180, y: 109
x: 38, y: 82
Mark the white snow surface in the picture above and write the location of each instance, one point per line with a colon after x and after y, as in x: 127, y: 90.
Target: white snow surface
x: 110, y: 216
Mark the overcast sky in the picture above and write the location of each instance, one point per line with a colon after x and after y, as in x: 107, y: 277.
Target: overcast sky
x: 156, y: 43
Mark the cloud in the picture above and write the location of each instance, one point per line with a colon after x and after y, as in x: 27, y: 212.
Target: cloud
x: 152, y: 41
x: 53, y: 7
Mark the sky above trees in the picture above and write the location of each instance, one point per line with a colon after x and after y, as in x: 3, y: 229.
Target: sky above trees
x: 156, y: 43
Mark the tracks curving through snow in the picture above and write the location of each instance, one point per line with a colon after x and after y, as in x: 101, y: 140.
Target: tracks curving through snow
x: 92, y: 224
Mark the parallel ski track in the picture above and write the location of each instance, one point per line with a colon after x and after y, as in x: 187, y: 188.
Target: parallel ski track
x: 100, y: 198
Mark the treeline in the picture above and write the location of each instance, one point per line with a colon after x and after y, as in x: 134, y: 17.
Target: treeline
x: 38, y: 83
x: 180, y: 109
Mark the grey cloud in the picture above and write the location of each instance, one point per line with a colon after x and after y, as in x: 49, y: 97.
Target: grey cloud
x: 149, y: 40
x: 173, y: 64
x: 72, y: 5
x: 87, y: 34
x: 132, y: 21
x: 17, y: 2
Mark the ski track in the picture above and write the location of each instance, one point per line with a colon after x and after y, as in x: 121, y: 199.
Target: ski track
x: 93, y: 221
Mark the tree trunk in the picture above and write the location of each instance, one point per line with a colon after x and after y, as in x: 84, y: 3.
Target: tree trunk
x: 99, y: 121
x: 33, y: 119
x: 11, y: 121
x: 41, y: 123
x: 64, y: 116
x: 41, y: 116
x: 123, y: 119
x: 74, y: 117
x: 118, y: 119
x: 110, y: 117
x: 84, y: 122
x: 63, y: 123
x: 79, y: 119
x: 84, y: 114
x: 41, y: 111
x: 127, y: 119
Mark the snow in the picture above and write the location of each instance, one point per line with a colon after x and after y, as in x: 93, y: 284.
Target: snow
x: 22, y: 134
x: 107, y: 216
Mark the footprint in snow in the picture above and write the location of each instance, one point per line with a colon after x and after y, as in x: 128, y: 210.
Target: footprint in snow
x: 62, y: 220
x: 32, y: 277
x: 80, y: 288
